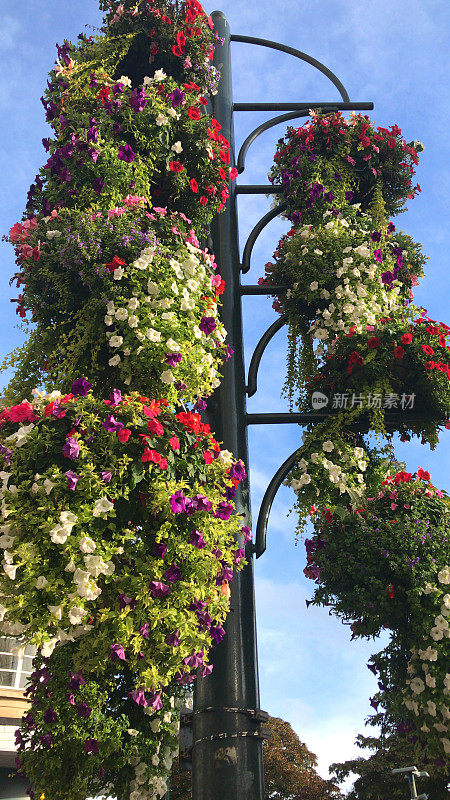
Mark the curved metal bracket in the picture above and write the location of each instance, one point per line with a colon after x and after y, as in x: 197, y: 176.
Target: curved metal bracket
x: 265, y: 127
x: 266, y: 505
x: 284, y: 48
x: 252, y: 384
x: 274, y: 212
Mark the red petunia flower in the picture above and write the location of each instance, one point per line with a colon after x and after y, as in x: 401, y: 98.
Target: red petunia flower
x: 373, y: 342
x: 423, y: 475
x: 194, y: 185
x: 406, y: 338
x: 175, y: 166
x: 194, y: 112
x: 427, y: 349
x: 123, y: 435
x: 399, y: 352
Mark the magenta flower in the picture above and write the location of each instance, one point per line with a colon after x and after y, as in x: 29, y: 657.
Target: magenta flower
x: 111, y: 424
x: 144, y: 630
x: 158, y: 589
x: 124, y: 601
x: 106, y: 476
x: 172, y: 574
x: 237, y: 471
x: 194, y: 660
x: 247, y: 533
x: 83, y: 710
x: 115, y: 397
x: 126, y: 153
x: 137, y: 99
x: 176, y: 97
x: 178, y: 503
x: 172, y: 359
x: 217, y: 634
x: 139, y: 697
x: 207, y: 325
x: 50, y: 716
x: 155, y: 700
x: 238, y: 556
x: 91, y: 746
x: 205, y: 671
x: 196, y: 538
x: 72, y: 479
x: 76, y: 680
x: 173, y: 639
x: 117, y: 653
x: 224, y: 511
x: 159, y: 549
x: 378, y: 256
x: 71, y: 448
x: 81, y: 387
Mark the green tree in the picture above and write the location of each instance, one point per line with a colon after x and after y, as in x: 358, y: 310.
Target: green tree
x: 375, y: 780
x: 289, y: 770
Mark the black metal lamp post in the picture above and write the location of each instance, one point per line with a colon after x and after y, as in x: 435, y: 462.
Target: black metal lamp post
x: 227, y: 728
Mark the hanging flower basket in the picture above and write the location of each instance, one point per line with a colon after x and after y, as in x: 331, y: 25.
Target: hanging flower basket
x: 176, y: 37
x: 397, y: 367
x: 85, y: 735
x: 126, y: 297
x: 371, y: 564
x: 331, y: 161
x: 110, y: 140
x: 118, y: 527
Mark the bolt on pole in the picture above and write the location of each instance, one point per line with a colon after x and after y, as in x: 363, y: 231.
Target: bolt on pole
x: 227, y: 748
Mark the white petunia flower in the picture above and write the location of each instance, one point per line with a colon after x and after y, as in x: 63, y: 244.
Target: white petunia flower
x: 87, y: 545
x: 115, y: 341
x: 153, y: 336
x: 41, y: 582
x: 133, y: 321
x: 328, y: 446
x: 443, y: 575
x: 177, y: 148
x: 161, y: 119
x: 118, y: 273
x: 121, y: 314
x: 171, y: 344
x: 56, y: 611
x: 133, y: 303
x: 313, y: 286
x: 417, y: 685
x: 59, y: 534
x: 167, y: 377
x: 76, y: 615
x: 125, y: 80
x: 114, y: 361
x: 102, y: 506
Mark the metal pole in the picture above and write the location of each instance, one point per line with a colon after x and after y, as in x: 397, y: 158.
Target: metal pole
x: 227, y: 749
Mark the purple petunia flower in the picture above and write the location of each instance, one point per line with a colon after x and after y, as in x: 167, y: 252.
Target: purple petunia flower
x: 126, y: 153
x: 117, y: 653
x: 111, y: 424
x: 91, y: 746
x: 72, y: 479
x: 349, y: 196
x: 194, y: 660
x: 225, y: 575
x: 173, y: 639
x: 70, y: 697
x: 375, y: 236
x: 238, y: 556
x: 71, y: 448
x: 207, y: 325
x: 83, y: 710
x: 154, y: 700
x: 144, y: 630
x: 46, y: 739
x: 76, y: 680
x: 176, y: 97
x: 178, y: 502
x: 200, y: 405
x: 200, y: 503
x: 224, y: 511
x: 172, y: 359
x: 196, y: 538
x: 229, y: 353
x: 81, y: 387
x: 124, y: 601
x: 138, y: 99
x: 378, y: 256
x: 217, y: 634
x: 5, y: 453
x: 205, y: 671
x: 139, y: 697
x: 159, y: 589
x: 237, y: 471
x: 172, y: 574
x: 115, y: 397
x: 50, y: 716
x: 229, y: 493
x: 159, y: 549
x: 247, y: 533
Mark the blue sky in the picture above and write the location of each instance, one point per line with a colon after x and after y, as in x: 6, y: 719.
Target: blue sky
x: 393, y: 54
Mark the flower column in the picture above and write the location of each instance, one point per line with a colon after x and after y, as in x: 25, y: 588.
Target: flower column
x: 227, y: 754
